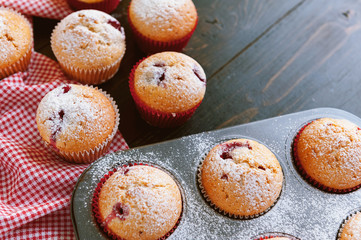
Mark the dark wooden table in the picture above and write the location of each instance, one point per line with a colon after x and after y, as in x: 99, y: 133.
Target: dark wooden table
x: 262, y: 59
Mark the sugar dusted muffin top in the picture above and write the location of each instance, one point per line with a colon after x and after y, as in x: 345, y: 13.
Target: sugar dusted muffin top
x: 170, y: 82
x: 241, y: 177
x: 16, y: 37
x: 88, y: 39
x: 163, y: 20
x: 329, y: 151
x: 75, y: 118
x: 352, y: 228
x: 140, y: 202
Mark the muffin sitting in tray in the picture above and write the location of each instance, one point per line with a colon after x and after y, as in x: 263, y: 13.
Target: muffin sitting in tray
x: 327, y: 153
x: 241, y: 178
x: 351, y: 230
x: 138, y: 202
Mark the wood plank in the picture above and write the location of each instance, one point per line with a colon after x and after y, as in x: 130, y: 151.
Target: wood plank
x: 225, y: 28
x: 310, y: 59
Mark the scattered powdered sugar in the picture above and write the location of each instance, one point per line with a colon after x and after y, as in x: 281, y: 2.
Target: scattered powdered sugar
x: 302, y: 210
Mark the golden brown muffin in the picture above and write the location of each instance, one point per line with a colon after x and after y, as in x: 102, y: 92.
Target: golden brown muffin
x: 352, y: 229
x: 163, y: 20
x: 139, y: 202
x: 167, y: 88
x: 16, y: 42
x: 329, y: 151
x: 241, y: 177
x: 77, y: 121
x: 89, y: 45
x: 170, y: 82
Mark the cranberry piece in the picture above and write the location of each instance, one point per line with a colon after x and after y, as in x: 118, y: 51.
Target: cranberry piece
x: 66, y: 88
x: 224, y: 176
x: 61, y: 114
x: 119, y: 210
x: 262, y: 168
x: 159, y: 64
x: 115, y: 24
x: 229, y: 147
x: 161, y: 79
x: 197, y: 72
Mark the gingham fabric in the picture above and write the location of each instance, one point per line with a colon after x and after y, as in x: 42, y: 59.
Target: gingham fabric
x: 55, y: 9
x: 35, y: 184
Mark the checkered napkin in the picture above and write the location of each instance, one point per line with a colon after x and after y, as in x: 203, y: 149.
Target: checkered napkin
x: 55, y: 9
x: 35, y: 184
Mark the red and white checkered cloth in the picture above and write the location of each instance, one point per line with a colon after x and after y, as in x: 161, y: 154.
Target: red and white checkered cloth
x: 35, y: 184
x: 55, y: 9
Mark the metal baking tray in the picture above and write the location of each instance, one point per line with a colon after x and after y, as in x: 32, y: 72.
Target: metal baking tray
x: 302, y: 210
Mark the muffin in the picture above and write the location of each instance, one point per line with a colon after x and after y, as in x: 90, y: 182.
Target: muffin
x: 167, y: 88
x: 77, y: 122
x: 138, y: 202
x: 242, y: 178
x: 351, y: 230
x: 327, y: 153
x: 101, y: 5
x: 162, y: 25
x: 16, y: 42
x: 89, y: 46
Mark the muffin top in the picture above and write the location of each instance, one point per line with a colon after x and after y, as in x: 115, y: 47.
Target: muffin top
x: 170, y: 82
x: 163, y: 20
x: 16, y: 37
x: 88, y: 39
x: 329, y: 150
x: 352, y: 228
x: 241, y: 177
x: 140, y: 202
x: 75, y: 118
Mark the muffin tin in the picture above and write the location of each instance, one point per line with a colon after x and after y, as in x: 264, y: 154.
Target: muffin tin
x: 302, y: 210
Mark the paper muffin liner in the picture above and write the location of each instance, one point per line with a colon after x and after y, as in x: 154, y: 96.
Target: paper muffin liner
x: 22, y: 64
x: 344, y: 222
x: 151, y: 46
x: 274, y: 235
x: 154, y: 117
x: 221, y: 211
x: 95, y: 200
x: 93, y: 76
x: 308, y: 178
x: 88, y: 156
x: 104, y: 5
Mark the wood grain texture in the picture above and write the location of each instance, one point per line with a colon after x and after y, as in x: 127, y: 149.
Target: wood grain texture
x: 262, y: 59
x: 309, y: 59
